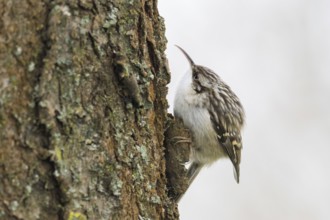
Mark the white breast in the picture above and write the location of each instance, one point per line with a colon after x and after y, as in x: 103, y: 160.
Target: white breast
x: 187, y: 106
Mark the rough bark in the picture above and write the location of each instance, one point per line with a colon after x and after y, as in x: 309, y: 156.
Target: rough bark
x: 177, y: 150
x: 83, y: 110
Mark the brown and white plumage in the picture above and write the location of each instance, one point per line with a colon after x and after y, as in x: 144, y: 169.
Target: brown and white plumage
x: 213, y: 114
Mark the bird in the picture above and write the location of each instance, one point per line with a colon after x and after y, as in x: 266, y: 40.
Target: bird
x: 213, y: 114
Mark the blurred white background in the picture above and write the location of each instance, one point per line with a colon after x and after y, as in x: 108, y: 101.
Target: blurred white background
x: 275, y: 55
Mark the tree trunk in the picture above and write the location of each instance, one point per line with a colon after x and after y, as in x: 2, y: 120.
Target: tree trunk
x: 83, y: 110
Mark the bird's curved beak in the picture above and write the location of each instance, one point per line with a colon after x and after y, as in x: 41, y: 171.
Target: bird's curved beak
x: 187, y: 56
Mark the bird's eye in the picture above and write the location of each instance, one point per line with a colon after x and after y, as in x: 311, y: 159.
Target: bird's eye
x: 195, y: 76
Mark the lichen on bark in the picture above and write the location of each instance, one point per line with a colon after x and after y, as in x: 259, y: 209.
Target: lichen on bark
x: 83, y: 107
